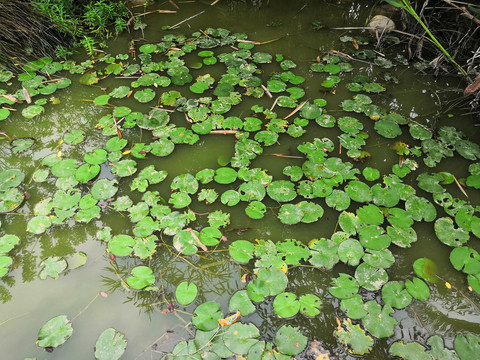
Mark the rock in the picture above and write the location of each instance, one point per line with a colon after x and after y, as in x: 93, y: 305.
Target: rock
x: 381, y: 23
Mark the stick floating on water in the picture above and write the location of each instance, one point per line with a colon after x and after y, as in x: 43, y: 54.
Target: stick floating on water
x: 181, y: 22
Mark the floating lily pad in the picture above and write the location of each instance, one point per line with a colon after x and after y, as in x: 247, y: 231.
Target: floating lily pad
x: 411, y: 350
x: 121, y: 245
x: 344, y: 286
x: 395, y: 295
x: 32, y: 111
x: 8, y: 242
x: 350, y: 252
x: 290, y: 214
x: 206, y: 315
x: 104, y: 189
x: 52, y: 266
x: 55, y: 332
x: 353, y: 337
x: 11, y: 178
x: 225, y: 175
x: 240, y: 302
x: 467, y: 346
x: 239, y: 338
x: 145, y: 95
x: 5, y: 263
x: 426, y: 269
x: 310, y: 305
x: 448, y: 234
x: 353, y: 307
x: 358, y: 191
x: 21, y: 144
x: 323, y: 253
x: 290, y: 340
x: 418, y: 289
x: 256, y: 209
x: 370, y: 278
x: 142, y: 276
x: 378, y: 321
x: 241, y: 251
x: 110, y: 345
x: 286, y: 305
x: 186, y: 293
x: 230, y: 198
x: 39, y: 224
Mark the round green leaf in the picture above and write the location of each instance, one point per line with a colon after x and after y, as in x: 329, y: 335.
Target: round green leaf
x: 353, y: 307
x: 256, y: 210
x: 290, y: 340
x: 186, y: 293
x: 64, y: 168
x: 55, y: 332
x: 121, y: 245
x: 323, y: 253
x: 239, y: 338
x: 39, y: 224
x: 240, y: 302
x: 8, y: 242
x: 350, y: 252
x: 370, y: 278
x: 290, y: 214
x: 395, y: 295
x: 426, y: 269
x: 32, y: 110
x: 110, y: 345
x: 142, y: 276
x: 230, y: 198
x: 448, y: 234
x: 286, y: 305
x: 205, y: 317
x: 101, y: 100
x: 87, y: 172
x: 344, y: 286
x: 310, y: 305
x: 225, y: 175
x: 353, y: 337
x: 418, y: 289
x: 11, y: 178
x: 104, y: 189
x: 52, y: 266
x: 145, y: 95
x: 358, y: 191
x: 241, y: 251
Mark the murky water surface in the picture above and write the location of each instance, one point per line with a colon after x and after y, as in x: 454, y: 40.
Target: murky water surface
x: 28, y: 302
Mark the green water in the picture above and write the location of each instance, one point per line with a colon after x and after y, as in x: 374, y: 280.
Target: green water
x: 29, y: 302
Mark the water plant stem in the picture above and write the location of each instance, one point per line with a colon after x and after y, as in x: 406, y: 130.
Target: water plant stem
x: 86, y: 307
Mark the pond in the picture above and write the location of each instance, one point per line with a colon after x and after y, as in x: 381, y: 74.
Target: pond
x: 252, y: 158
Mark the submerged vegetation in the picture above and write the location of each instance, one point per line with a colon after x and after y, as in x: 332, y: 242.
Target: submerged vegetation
x: 181, y: 90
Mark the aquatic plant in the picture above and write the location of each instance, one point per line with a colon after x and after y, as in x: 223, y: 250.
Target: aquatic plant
x: 376, y: 210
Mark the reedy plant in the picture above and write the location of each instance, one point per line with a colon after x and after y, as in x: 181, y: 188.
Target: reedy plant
x: 407, y: 6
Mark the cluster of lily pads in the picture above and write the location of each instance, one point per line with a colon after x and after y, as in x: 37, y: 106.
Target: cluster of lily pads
x: 375, y: 211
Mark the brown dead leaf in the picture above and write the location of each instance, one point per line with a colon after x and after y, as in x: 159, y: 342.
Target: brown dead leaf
x: 473, y: 87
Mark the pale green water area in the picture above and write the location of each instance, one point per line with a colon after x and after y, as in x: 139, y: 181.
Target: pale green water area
x: 95, y: 296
